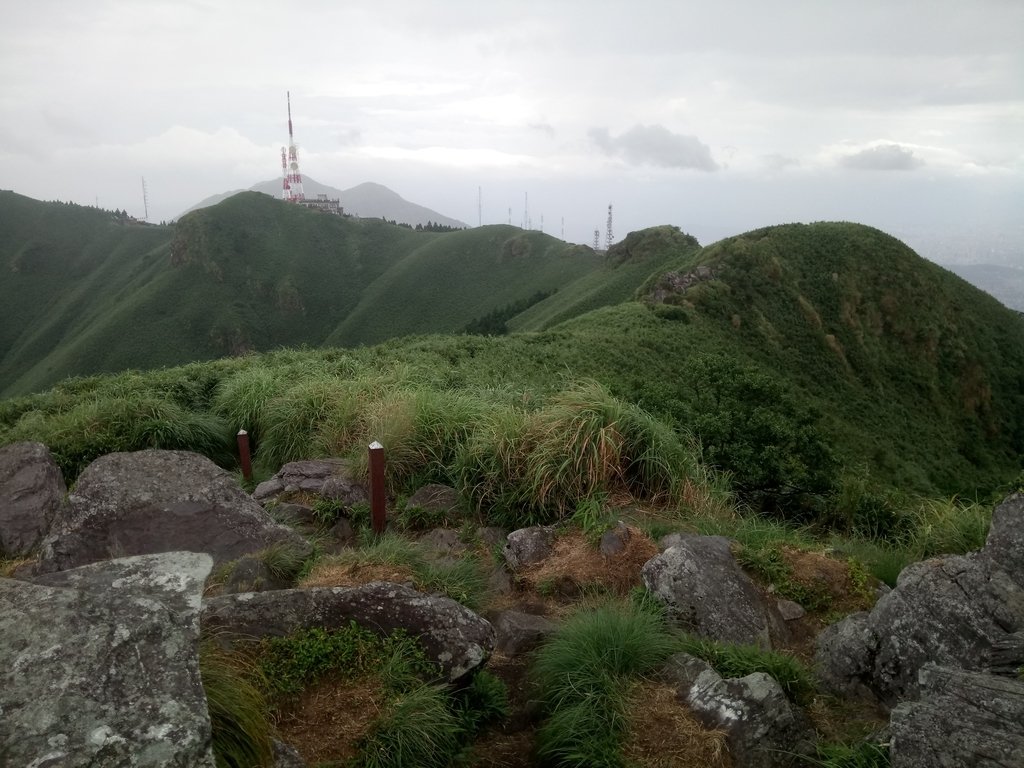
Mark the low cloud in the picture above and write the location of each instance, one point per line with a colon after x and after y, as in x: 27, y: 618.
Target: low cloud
x: 884, y: 157
x: 655, y: 145
x: 779, y: 162
x: 545, y: 128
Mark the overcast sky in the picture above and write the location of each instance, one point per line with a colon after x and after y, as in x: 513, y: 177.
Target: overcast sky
x: 714, y: 116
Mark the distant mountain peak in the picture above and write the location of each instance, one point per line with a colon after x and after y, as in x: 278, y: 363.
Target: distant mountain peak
x: 368, y: 200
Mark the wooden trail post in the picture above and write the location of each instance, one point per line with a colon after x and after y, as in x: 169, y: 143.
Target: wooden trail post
x: 377, y: 500
x: 243, y: 454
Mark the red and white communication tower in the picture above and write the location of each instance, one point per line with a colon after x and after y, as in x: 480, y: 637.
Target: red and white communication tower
x: 292, y: 186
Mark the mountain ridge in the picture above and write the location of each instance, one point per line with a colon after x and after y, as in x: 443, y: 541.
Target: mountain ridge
x: 367, y: 200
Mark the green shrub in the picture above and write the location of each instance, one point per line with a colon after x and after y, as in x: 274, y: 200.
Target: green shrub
x: 289, y: 664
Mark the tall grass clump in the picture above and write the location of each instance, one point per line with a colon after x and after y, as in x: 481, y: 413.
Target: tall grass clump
x: 423, y: 431
x: 239, y: 714
x: 583, y: 675
x: 582, y: 443
x: 242, y: 398
x: 948, y: 527
x: 109, y: 424
x: 418, y: 729
x: 296, y: 422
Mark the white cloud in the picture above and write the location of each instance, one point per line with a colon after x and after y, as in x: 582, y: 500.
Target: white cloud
x: 655, y: 145
x: 884, y: 157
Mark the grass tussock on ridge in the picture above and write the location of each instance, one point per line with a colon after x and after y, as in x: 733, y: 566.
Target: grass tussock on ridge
x: 583, y: 442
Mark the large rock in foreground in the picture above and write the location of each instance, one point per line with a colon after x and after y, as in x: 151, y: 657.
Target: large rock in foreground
x: 709, y: 594
x: 100, y: 666
x: 451, y: 635
x: 159, y: 501
x: 958, y: 611
x: 32, y: 492
x: 963, y: 720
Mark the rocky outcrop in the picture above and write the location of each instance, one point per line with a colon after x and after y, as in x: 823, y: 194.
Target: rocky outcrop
x: 451, y: 635
x: 528, y: 546
x: 707, y: 593
x: 763, y: 728
x: 160, y: 501
x: 1005, y: 544
x: 963, y: 720
x: 953, y: 611
x: 32, y: 494
x: 99, y: 666
x: 328, y: 478
x: 671, y: 284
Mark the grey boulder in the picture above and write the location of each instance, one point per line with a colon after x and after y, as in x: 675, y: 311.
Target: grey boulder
x: 707, y: 592
x: 32, y: 494
x: 763, y: 729
x: 99, y: 666
x: 160, y: 501
x: 450, y: 634
x: 528, y: 546
x: 1005, y: 544
x: 519, y: 633
x: 963, y: 720
x: 953, y: 611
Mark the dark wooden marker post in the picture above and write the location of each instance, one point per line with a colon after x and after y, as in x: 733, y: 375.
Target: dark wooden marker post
x: 377, y: 487
x: 243, y: 454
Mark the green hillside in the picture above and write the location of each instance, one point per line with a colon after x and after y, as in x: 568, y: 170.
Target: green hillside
x: 445, y: 284
x: 823, y: 366
x: 86, y: 293
x: 626, y: 266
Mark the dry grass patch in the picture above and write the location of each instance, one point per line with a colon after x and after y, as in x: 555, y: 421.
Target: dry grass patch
x: 503, y: 750
x: 827, y: 575
x: 577, y: 559
x: 8, y: 567
x: 327, y: 573
x: 663, y: 733
x: 326, y: 722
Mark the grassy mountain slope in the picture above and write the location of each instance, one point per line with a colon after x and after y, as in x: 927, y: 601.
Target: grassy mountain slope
x: 85, y: 293
x: 808, y: 359
x: 625, y: 267
x: 446, y: 283
x: 924, y: 372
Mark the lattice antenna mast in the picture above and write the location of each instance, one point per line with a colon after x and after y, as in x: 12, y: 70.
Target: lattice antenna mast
x: 285, y: 190
x: 293, y: 179
x: 608, y: 233
x: 145, y: 199
x: 597, y: 238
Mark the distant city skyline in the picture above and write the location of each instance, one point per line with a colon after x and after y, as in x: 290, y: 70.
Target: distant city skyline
x: 715, y: 117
